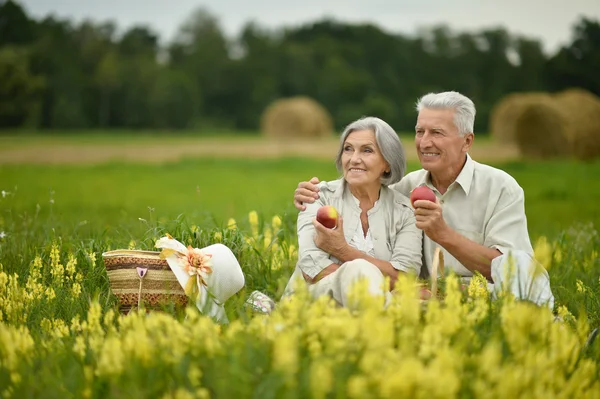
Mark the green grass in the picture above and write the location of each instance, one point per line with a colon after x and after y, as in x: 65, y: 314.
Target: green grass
x: 206, y: 191
x: 557, y: 194
x: 115, y: 203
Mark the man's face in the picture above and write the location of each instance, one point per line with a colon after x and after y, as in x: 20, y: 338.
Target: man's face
x: 440, y: 148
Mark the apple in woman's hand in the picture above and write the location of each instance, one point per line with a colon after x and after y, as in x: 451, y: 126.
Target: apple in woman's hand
x: 327, y: 215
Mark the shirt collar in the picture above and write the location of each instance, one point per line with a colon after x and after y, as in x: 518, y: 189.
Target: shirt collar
x: 464, y: 178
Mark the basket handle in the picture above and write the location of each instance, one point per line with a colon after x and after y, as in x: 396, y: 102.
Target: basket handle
x: 141, y: 272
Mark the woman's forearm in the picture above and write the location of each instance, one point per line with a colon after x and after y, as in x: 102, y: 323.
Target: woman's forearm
x: 349, y: 253
x: 325, y: 272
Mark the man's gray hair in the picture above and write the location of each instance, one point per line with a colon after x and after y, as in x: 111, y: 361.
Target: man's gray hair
x: 464, y: 109
x: 388, y: 142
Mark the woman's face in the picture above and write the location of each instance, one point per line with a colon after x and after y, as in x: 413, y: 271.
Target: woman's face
x: 362, y: 161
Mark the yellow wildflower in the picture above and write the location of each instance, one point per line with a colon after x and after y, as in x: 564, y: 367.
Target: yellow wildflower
x: 71, y: 265
x: 92, y: 256
x: 15, y: 378
x: 581, y: 288
x: 285, y: 354
x: 253, y: 219
x: 358, y: 387
x: 276, y: 261
x: 478, y: 287
x: 15, y: 344
x: 46, y: 325
x: 56, y: 268
x: 50, y: 294
x: 54, y: 255
x: 558, y: 255
x: 231, y: 224
x: 80, y: 347
x: 35, y: 271
x: 195, y: 375
x: 543, y: 251
x: 321, y: 378
x: 111, y: 359
x: 268, y: 237
x: 76, y: 290
x: 180, y: 393
x: 276, y: 223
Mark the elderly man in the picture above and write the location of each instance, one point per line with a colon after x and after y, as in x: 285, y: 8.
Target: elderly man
x: 479, y: 217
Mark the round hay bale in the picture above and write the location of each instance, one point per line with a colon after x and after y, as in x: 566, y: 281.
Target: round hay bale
x: 296, y: 117
x: 540, y: 129
x: 504, y: 113
x: 581, y: 109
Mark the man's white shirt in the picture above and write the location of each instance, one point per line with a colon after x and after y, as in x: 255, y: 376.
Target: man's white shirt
x: 484, y: 204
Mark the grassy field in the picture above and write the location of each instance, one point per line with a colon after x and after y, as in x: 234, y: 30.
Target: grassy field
x: 60, y: 335
x: 153, y: 147
x: 558, y: 194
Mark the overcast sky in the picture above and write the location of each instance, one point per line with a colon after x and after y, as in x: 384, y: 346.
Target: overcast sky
x: 547, y: 20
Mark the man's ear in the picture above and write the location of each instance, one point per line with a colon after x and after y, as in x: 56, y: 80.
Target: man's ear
x: 469, y: 138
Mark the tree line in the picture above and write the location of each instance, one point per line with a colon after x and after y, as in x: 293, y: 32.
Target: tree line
x: 55, y: 74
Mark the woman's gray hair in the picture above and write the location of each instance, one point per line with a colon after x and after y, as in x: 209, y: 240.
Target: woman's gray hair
x: 464, y: 109
x: 388, y: 142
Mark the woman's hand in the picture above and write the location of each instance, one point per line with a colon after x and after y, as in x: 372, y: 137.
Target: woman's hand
x: 307, y: 191
x: 331, y: 241
x: 323, y: 273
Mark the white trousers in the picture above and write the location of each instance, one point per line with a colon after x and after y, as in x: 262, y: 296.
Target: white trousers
x: 516, y: 272
x: 337, y: 284
x: 523, y: 276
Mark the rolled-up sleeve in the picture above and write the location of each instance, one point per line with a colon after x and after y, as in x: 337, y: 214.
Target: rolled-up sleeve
x: 407, y: 251
x: 506, y: 229
x: 311, y: 259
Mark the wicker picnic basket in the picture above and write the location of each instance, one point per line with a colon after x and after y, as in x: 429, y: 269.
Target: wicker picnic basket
x: 142, y: 278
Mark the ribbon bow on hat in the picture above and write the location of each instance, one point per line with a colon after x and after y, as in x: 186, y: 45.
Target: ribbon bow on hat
x: 209, y: 276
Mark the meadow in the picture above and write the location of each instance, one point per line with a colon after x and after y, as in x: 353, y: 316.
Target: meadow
x: 61, y: 334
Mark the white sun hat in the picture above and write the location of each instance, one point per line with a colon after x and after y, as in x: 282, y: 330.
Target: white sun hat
x: 211, y: 275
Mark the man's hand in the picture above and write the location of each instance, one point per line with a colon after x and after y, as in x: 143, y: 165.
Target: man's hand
x: 331, y: 241
x: 430, y: 219
x: 307, y: 191
x: 473, y: 256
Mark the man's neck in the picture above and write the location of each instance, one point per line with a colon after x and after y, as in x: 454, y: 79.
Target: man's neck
x: 442, y: 181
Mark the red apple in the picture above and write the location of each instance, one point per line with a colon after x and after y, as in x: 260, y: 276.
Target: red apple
x: 327, y: 215
x: 421, y: 193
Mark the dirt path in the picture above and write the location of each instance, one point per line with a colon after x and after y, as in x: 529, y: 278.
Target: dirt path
x: 161, y: 150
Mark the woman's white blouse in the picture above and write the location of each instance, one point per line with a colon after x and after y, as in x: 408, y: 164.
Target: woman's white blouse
x: 361, y: 242
x: 393, y: 234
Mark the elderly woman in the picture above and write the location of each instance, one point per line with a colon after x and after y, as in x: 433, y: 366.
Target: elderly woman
x: 377, y: 235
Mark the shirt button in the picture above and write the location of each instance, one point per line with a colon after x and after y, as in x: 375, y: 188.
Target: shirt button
x: 442, y: 201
